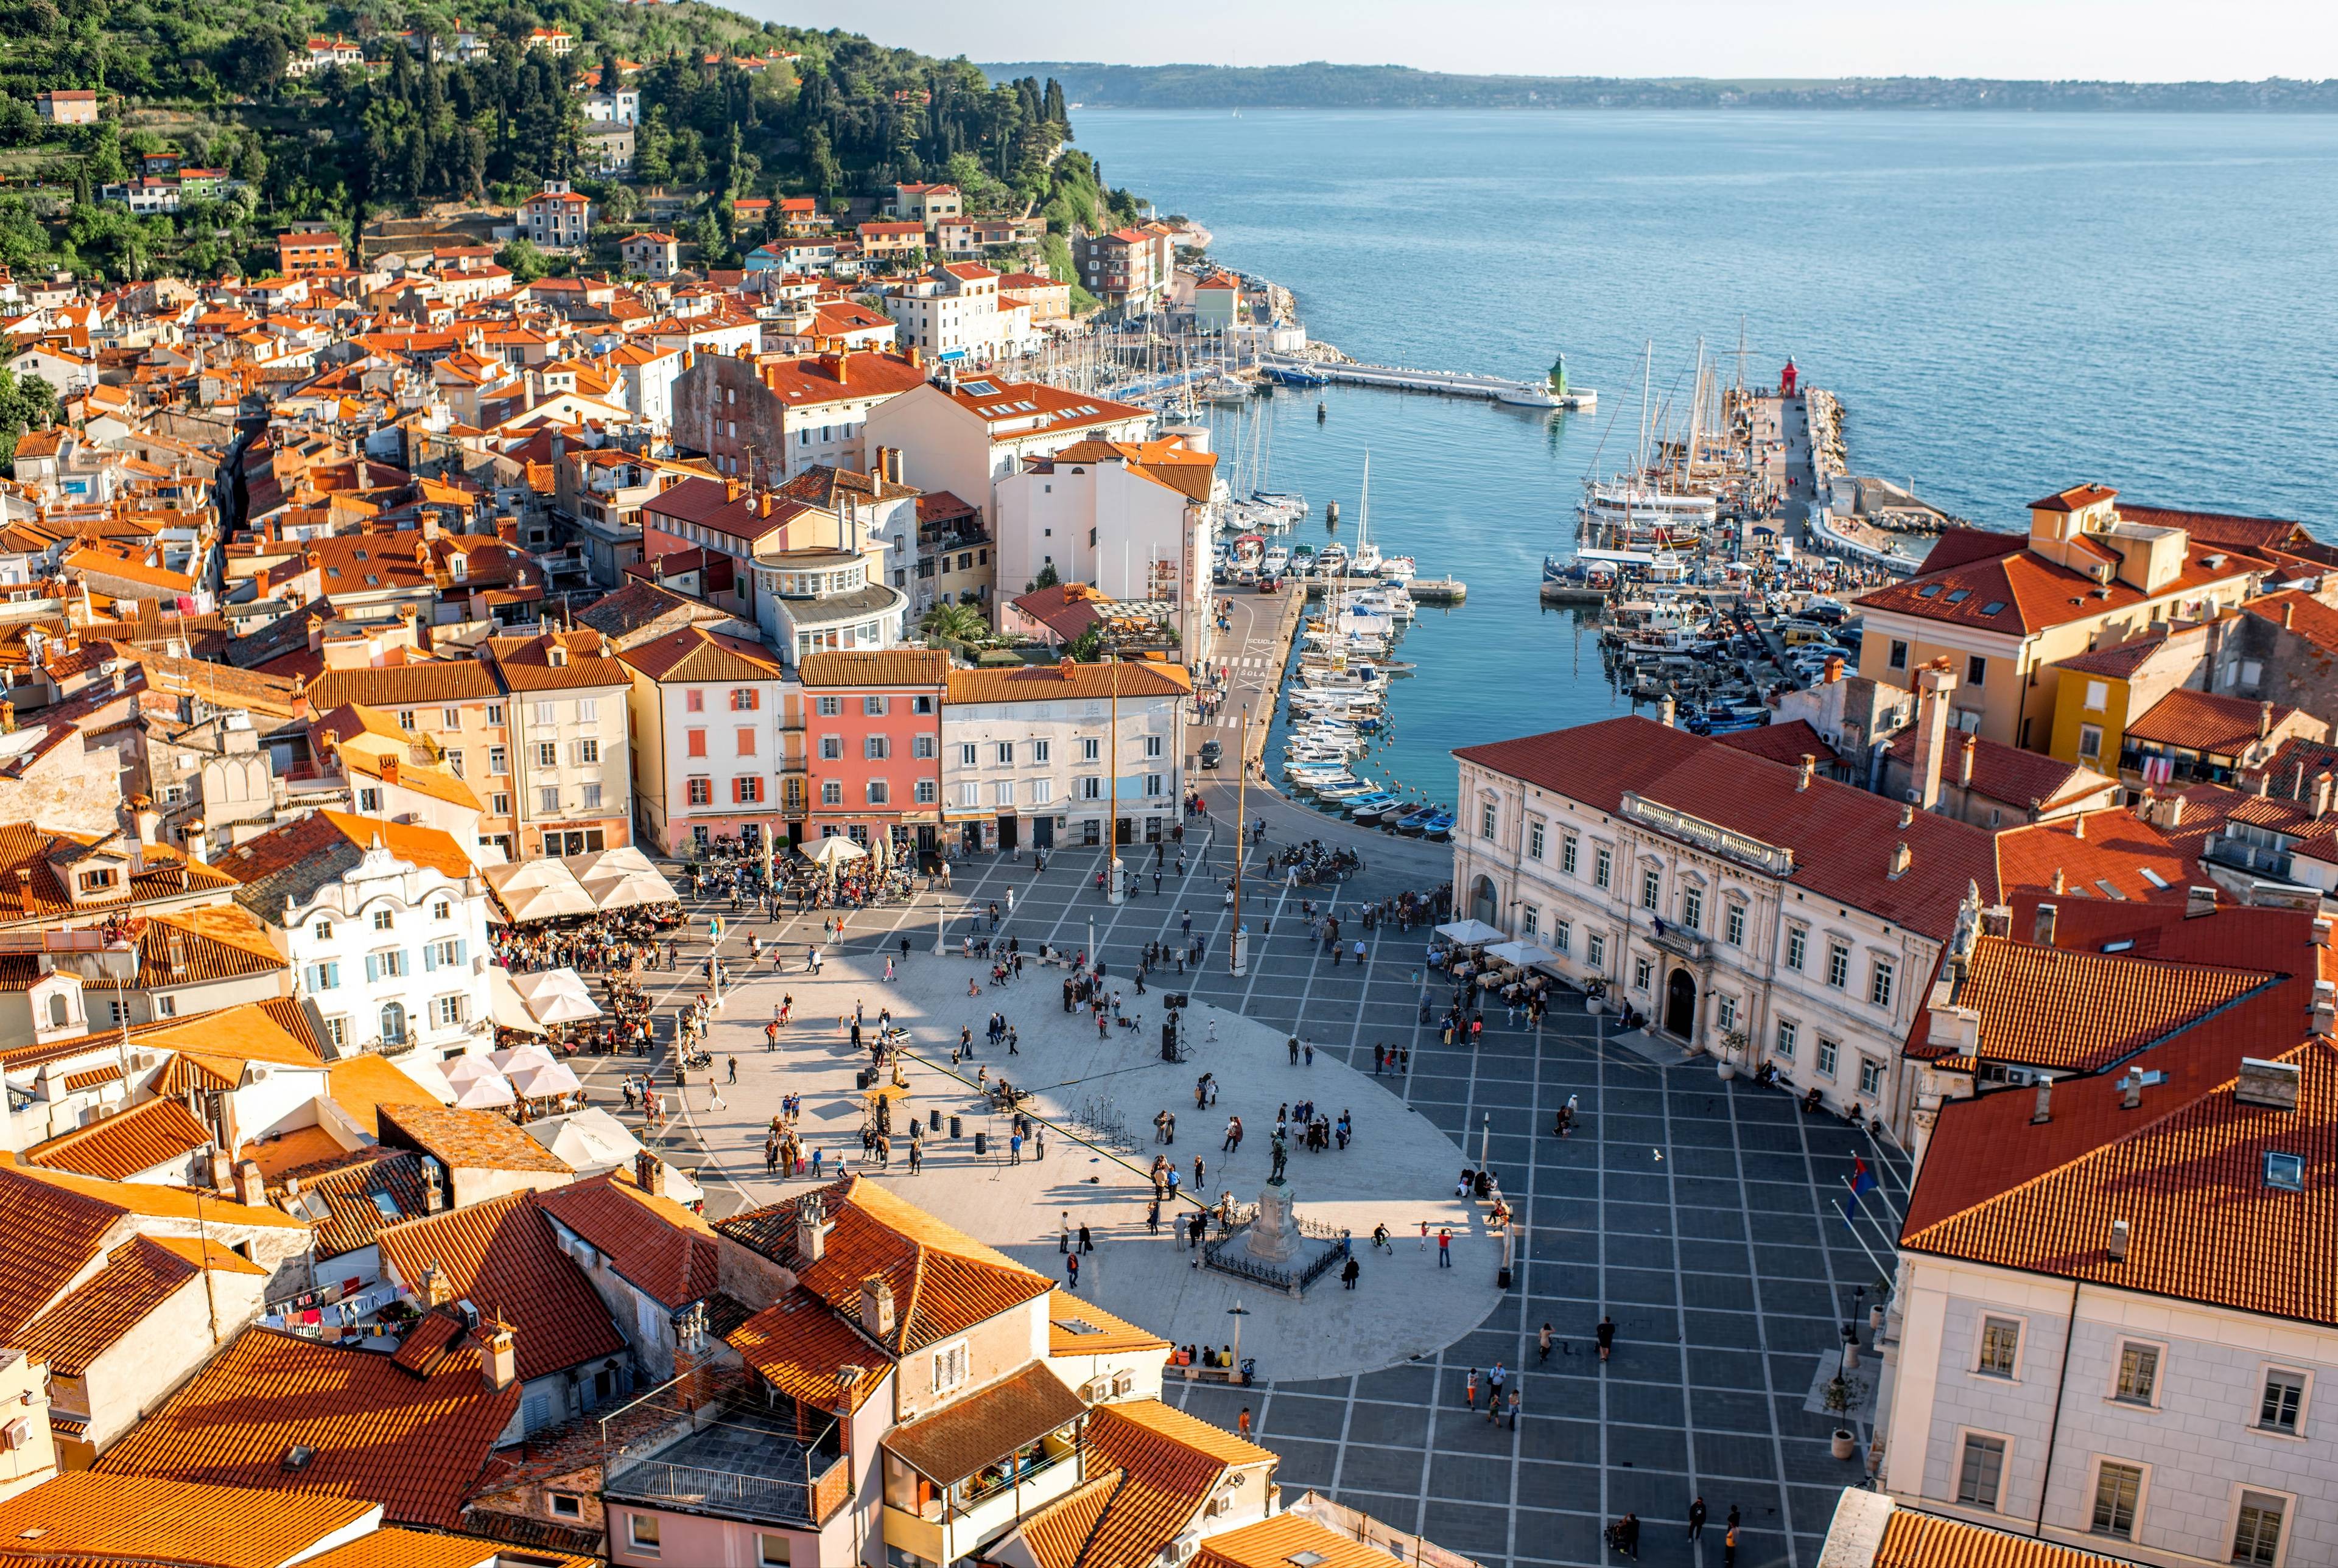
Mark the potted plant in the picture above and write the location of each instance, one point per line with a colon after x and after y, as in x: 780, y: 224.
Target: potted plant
x: 1837, y: 1399
x: 1595, y: 991
x: 1875, y: 1313
x: 1732, y: 1040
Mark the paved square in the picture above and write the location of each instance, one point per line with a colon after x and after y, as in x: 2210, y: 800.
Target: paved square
x: 1702, y: 1216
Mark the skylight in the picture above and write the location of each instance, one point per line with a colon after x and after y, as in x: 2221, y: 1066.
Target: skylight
x: 1929, y: 592
x: 2285, y: 1171
x: 981, y: 389
x: 1994, y: 607
x: 1958, y: 595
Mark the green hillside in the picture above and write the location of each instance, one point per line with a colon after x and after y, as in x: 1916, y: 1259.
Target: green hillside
x: 209, y: 82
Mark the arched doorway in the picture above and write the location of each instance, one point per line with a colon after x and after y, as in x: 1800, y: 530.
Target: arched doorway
x: 393, y: 1024
x: 1483, y: 902
x: 1680, y: 1004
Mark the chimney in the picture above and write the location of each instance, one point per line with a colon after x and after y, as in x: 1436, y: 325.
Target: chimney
x: 877, y: 1308
x: 1803, y: 779
x: 2119, y: 1234
x: 1665, y: 711
x: 2270, y: 1085
x: 844, y: 368
x: 2200, y: 901
x: 433, y: 1200
x: 251, y: 1186
x: 1970, y: 744
x: 2045, y: 1111
x: 1900, y: 859
x: 649, y: 1173
x: 2079, y: 825
x: 812, y: 1230
x: 731, y: 490
x: 499, y: 1362
x: 2322, y: 785
x: 2060, y: 880
x: 1833, y: 670
x: 1906, y: 815
x: 2171, y: 812
x: 438, y: 1289
x: 2042, y: 933
x: 1934, y: 683
x: 2322, y: 930
x: 893, y: 465
x: 2131, y: 1090
x: 222, y: 1172
x: 389, y: 769
x: 2325, y: 1007
x: 2264, y: 719
x: 917, y: 358
x: 2288, y: 612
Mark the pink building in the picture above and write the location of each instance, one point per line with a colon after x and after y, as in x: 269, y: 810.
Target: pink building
x: 873, y: 741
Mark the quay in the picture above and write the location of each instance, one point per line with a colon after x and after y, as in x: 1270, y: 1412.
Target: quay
x: 1449, y: 383
x: 1424, y: 590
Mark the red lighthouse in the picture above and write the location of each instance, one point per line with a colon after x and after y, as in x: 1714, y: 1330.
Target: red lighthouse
x: 1786, y: 379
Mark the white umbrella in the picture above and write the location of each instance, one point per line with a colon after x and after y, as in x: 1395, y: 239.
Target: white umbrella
x: 466, y: 1070
x: 629, y: 891
x: 484, y: 1093
x: 833, y: 852
x: 538, y: 890
x: 544, y: 1083
x: 1470, y: 932
x: 603, y: 863
x: 1525, y: 955
x: 519, y: 1059
x: 503, y: 1000
x: 557, y: 996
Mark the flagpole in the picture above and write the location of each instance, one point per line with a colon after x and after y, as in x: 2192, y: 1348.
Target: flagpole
x: 1881, y: 1271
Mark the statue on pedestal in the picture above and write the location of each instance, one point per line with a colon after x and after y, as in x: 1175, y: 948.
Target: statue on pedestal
x: 1280, y: 1154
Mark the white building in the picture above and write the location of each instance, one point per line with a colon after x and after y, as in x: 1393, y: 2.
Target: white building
x: 622, y: 107
x: 557, y: 216
x: 2110, y: 1324
x: 966, y: 437
x: 571, y: 748
x: 386, y: 925
x: 1741, y: 906
x: 954, y: 312
x: 712, y: 719
x: 1032, y: 755
x: 1129, y: 518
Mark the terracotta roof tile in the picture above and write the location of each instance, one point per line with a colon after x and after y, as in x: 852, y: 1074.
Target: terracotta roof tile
x: 2109, y: 862
x: 433, y: 683
x: 2208, y: 722
x: 1166, y: 1464
x: 502, y: 1255
x: 2084, y: 1011
x: 2121, y: 662
x: 1273, y: 1542
x: 2001, y: 772
x: 153, y: 1199
x: 799, y: 1344
x: 118, y: 1518
x: 2021, y: 593
x: 525, y: 664
x: 363, y: 1083
x: 1078, y: 1327
x: 893, y: 667
x: 974, y: 1429
x: 139, y: 1275
x: 1058, y: 682
x: 662, y: 1248
x: 158, y: 1133
x: 375, y: 1430
x: 396, y: 1548
x: 361, y: 1192
x: 1788, y: 743
x: 468, y: 1140
x: 1913, y: 1540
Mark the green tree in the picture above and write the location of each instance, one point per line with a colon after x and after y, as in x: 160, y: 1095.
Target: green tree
x: 523, y: 261
x: 958, y: 623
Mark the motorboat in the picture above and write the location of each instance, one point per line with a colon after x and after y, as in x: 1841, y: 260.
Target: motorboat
x: 1365, y: 562
x: 1354, y: 789
x: 1289, y: 501
x: 1331, y: 560
x: 1302, y: 561
x: 1398, y: 569
x: 1275, y: 561
x: 1365, y: 808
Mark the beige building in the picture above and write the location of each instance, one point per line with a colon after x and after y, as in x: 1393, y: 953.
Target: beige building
x: 2005, y: 610
x: 565, y: 694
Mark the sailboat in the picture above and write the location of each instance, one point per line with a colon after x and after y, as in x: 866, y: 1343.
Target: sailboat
x: 1365, y: 560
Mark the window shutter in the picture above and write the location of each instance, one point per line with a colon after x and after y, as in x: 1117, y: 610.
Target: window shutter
x: 373, y: 968
x: 462, y: 950
x: 429, y: 957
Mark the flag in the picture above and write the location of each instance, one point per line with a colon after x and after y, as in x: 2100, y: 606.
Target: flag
x: 1863, y: 1180
x: 1849, y: 1208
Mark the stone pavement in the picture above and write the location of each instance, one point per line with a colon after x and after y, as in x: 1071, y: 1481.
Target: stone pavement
x: 1700, y: 1214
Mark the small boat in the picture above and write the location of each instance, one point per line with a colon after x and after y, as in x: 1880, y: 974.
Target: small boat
x: 1354, y: 788
x: 1302, y: 561
x: 1398, y: 569
x: 1289, y: 501
x: 1331, y: 560
x: 1294, y: 376
x: 1365, y: 808
x: 1439, y: 829
x: 1366, y: 560
x: 1226, y: 392
x: 1274, y: 561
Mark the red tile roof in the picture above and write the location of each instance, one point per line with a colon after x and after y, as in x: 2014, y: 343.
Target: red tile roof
x: 2109, y: 862
x: 2300, y: 614
x: 1788, y: 743
x: 799, y: 1344
x: 2001, y: 772
x: 2120, y: 661
x: 376, y: 1431
x: 2021, y: 593
x: 1841, y: 836
x: 2085, y: 1011
x: 139, y: 1275
x: 923, y: 667
x: 82, y: 1517
x: 157, y: 1134
x: 2074, y: 498
x: 2206, y: 722
x: 502, y: 1255
x: 1913, y: 1540
x: 662, y: 1248
x: 54, y: 1234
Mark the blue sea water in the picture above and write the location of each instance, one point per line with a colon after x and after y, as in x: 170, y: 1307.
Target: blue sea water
x: 2006, y: 304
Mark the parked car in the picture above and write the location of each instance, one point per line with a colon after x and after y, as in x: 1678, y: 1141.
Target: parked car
x: 1211, y: 753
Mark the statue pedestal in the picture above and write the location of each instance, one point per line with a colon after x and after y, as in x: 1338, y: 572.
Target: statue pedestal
x: 1274, y: 1234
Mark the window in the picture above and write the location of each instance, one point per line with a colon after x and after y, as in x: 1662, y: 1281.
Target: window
x: 567, y: 1505
x: 1838, y: 966
x: 1899, y: 654
x: 966, y: 756
x: 1733, y: 924
x: 405, y: 717
x: 950, y: 1366
x: 2117, y: 1489
x: 1726, y: 1011
x: 771, y: 1552
x: 693, y: 701
x: 454, y: 763
x: 1788, y: 1031
x: 1562, y: 936
x: 1156, y: 784
x: 745, y: 699
x: 442, y: 910
x: 337, y: 1032
x: 498, y: 764
x: 1798, y: 944
x: 367, y: 800
x: 2001, y: 1347
x: 2098, y: 696
x: 1829, y: 1052
x: 1038, y: 750
x: 747, y: 791
x: 923, y: 704
x: 2283, y: 1404
x: 1879, y: 985
x: 321, y: 977
x: 2138, y: 1373
x: 1976, y: 670
x: 322, y: 930
x: 588, y: 752
x: 2256, y: 1534
x: 873, y: 707
x: 547, y: 713
x: 1595, y: 951
x: 449, y: 1012
x: 1980, y: 1470
x: 1566, y: 847
x: 923, y: 747
x: 1870, y: 1075
x: 879, y: 794
x: 547, y: 798
x: 592, y: 797
x: 2090, y: 743
x: 1090, y: 788
x: 500, y: 804
x: 642, y: 1532
x: 829, y: 706
x: 1642, y: 972
x: 831, y: 748
x: 928, y: 791
x: 588, y: 709
x: 547, y: 753
x: 383, y: 920
x: 875, y: 748
x: 494, y: 712
x: 831, y: 793
x: 1534, y: 840
x: 1530, y: 920
x: 1652, y: 885
x: 1692, y: 908
x: 702, y: 791
x: 393, y: 1023
x: 1602, y: 868
x: 1088, y: 750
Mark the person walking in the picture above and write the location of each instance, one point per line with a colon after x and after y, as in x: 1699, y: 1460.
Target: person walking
x: 1469, y: 1389
x: 1444, y: 1248
x: 1063, y: 1232
x: 1514, y: 1409
x: 1729, y: 1548
x: 1607, y: 1334
x: 1014, y: 1149
x: 1072, y: 1271
x: 1542, y: 1345
x: 1696, y: 1519
x: 1242, y: 1422
x: 1424, y: 1235
x: 1348, y: 1274
x: 1087, y: 1243
x: 1153, y: 1218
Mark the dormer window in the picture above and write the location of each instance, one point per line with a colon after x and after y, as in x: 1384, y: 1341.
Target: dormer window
x: 99, y: 880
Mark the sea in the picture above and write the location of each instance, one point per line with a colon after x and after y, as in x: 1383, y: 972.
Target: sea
x: 2005, y: 303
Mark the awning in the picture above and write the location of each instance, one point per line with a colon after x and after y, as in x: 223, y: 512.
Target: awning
x: 984, y: 1428
x: 557, y: 996
x: 506, y: 1004
x: 538, y: 890
x: 832, y: 852
x: 544, y: 1083
x: 629, y: 890
x: 1470, y: 932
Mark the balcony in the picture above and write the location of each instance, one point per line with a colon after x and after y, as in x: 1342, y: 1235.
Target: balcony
x: 743, y: 1462
x: 1680, y: 941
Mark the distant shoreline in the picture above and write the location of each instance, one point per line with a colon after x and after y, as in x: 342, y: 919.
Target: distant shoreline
x: 1318, y: 85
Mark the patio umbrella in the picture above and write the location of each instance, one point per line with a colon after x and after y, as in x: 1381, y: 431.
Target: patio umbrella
x: 1470, y: 932
x: 466, y: 1070
x: 557, y: 996
x: 1522, y: 954
x: 484, y: 1093
x: 833, y: 852
x: 629, y: 891
x: 505, y: 1002
x: 544, y: 1083
x: 519, y: 1059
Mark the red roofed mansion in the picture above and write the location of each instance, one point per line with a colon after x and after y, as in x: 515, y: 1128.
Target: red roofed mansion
x: 556, y: 215
x: 1744, y: 906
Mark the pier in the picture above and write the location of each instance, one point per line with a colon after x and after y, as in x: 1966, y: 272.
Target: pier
x: 1423, y: 590
x: 1447, y: 383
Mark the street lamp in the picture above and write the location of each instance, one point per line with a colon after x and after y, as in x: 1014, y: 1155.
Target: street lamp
x: 1237, y: 1312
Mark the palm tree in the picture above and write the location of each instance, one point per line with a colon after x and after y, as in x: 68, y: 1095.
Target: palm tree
x: 958, y: 623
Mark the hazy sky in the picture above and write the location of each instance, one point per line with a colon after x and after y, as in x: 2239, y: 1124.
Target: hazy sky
x: 2136, y: 40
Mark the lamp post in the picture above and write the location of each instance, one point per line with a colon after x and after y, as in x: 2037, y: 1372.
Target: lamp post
x: 1236, y: 959
x: 1237, y: 1312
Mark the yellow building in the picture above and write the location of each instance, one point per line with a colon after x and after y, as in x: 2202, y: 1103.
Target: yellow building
x: 2005, y: 610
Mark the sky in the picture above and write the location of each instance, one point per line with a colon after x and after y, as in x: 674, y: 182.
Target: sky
x: 2125, y: 40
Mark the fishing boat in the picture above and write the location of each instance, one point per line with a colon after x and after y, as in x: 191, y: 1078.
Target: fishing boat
x: 1364, y: 807
x: 1248, y: 549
